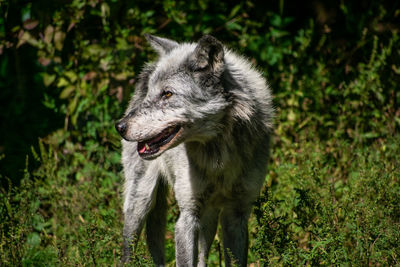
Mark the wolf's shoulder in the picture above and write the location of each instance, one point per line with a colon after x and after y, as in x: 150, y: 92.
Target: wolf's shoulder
x: 250, y: 90
x: 241, y: 68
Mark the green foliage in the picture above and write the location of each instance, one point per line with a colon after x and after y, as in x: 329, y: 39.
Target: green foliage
x: 68, y: 69
x: 63, y: 213
x: 314, y: 214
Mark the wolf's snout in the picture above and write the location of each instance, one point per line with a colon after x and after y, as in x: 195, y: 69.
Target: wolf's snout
x: 121, y: 127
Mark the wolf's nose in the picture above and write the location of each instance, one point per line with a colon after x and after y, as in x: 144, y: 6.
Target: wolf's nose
x: 121, y: 127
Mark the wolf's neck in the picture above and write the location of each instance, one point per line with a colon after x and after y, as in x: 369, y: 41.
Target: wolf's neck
x: 226, y: 153
x: 212, y: 157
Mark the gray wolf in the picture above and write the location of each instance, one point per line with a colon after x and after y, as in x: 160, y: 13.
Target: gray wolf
x: 200, y: 120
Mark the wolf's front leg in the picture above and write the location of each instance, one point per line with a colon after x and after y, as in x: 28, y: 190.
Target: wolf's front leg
x: 235, y: 235
x: 156, y: 224
x: 140, y: 194
x: 208, y: 228
x: 186, y: 238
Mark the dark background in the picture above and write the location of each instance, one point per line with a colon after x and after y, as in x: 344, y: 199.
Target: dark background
x: 24, y: 117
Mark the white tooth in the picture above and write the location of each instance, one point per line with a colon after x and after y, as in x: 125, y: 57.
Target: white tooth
x: 146, y: 146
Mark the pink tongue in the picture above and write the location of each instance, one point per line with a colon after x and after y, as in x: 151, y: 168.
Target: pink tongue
x: 143, y: 149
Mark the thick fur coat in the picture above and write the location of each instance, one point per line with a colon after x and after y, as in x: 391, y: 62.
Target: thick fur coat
x: 200, y: 121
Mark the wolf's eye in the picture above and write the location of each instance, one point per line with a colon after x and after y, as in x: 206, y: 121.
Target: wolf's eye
x: 166, y: 94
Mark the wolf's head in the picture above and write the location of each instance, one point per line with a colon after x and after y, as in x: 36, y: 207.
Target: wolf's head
x: 177, y: 99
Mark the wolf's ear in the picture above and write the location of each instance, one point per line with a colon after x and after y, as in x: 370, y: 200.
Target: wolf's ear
x: 161, y: 45
x: 209, y: 55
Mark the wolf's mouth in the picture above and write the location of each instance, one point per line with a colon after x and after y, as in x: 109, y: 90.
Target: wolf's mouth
x: 151, y: 146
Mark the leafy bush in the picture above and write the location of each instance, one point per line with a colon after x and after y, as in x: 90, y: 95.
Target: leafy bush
x: 69, y: 68
x: 324, y: 209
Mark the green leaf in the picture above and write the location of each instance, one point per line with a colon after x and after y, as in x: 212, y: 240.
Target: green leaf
x: 234, y: 11
x: 94, y: 49
x: 67, y: 91
x: 48, y: 34
x: 72, y: 105
x: 122, y: 44
x: 369, y: 135
x: 59, y: 37
x: 234, y: 26
x: 62, y: 82
x: 34, y: 239
x: 72, y: 76
x: 48, y: 79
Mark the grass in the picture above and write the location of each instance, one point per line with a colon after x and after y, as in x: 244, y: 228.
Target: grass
x: 331, y: 206
x: 323, y: 204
